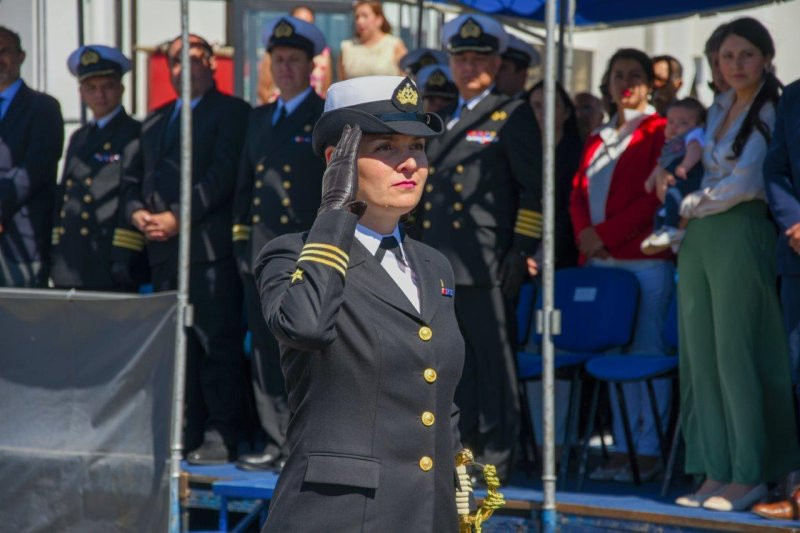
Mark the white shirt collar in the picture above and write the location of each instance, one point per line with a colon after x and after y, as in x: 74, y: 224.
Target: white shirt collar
x: 372, y: 239
x: 294, y: 103
x: 475, y: 100
x: 102, y: 122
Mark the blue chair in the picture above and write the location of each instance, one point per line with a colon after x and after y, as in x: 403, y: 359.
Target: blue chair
x: 598, y: 310
x: 630, y: 368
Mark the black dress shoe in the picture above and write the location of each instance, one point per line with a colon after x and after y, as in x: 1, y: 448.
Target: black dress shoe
x: 255, y: 462
x: 212, y: 452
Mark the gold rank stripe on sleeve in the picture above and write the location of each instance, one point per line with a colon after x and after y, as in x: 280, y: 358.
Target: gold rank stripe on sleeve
x: 529, y: 223
x: 128, y: 239
x: 326, y: 254
x: 56, y: 235
x: 241, y: 232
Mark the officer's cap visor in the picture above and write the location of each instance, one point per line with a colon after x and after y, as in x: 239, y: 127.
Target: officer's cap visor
x: 329, y: 127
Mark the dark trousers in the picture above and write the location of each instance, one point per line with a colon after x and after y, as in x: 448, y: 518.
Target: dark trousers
x: 487, y: 393
x: 269, y: 390
x: 670, y: 215
x: 790, y: 303
x: 214, y: 372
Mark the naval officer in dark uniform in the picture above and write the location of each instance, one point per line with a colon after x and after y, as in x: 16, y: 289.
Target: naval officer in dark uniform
x: 364, y: 316
x: 482, y: 209
x: 31, y: 139
x: 214, y: 377
x: 93, y: 246
x: 277, y: 192
x: 516, y: 60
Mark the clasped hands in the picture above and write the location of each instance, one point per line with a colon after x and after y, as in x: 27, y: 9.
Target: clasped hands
x: 793, y: 235
x: 156, y: 226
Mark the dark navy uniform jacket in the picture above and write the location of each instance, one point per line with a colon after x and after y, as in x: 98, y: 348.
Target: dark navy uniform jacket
x: 782, y: 174
x: 484, y: 190
x: 33, y: 130
x: 89, y: 227
x: 370, y: 380
x: 153, y: 179
x: 280, y: 178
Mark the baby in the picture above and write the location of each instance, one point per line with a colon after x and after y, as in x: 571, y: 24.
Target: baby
x: 680, y: 156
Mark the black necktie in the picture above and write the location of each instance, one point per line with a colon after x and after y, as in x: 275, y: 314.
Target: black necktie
x: 390, y: 244
x: 281, y: 116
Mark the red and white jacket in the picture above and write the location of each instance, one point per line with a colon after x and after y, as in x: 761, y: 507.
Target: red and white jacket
x: 608, y: 188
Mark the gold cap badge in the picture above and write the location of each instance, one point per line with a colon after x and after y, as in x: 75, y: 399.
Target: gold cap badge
x: 470, y: 28
x: 283, y: 29
x: 408, y: 94
x: 89, y: 57
x: 437, y: 79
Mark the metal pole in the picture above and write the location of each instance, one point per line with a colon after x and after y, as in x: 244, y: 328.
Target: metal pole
x: 569, y: 58
x: 549, y: 314
x: 118, y: 24
x: 81, y: 42
x: 184, y: 316
x: 134, y: 36
x: 562, y: 19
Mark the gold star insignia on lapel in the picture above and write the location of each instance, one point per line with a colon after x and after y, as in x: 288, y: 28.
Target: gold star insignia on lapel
x: 297, y: 275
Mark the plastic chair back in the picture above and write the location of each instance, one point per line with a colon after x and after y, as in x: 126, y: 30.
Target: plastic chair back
x: 598, y: 308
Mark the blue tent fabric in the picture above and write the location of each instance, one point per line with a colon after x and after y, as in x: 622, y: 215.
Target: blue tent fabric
x: 590, y: 13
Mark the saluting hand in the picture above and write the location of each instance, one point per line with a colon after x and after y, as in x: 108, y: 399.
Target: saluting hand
x: 340, y: 180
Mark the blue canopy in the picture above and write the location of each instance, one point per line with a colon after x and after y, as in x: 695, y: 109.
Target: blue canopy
x: 590, y: 13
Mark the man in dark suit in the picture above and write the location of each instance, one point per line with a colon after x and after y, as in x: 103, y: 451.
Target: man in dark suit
x: 277, y: 192
x: 31, y: 140
x: 214, y: 371
x: 482, y: 209
x: 94, y: 246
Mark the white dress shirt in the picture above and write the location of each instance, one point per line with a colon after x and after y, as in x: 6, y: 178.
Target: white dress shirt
x: 399, y: 269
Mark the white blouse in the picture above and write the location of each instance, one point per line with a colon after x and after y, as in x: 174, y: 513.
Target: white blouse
x: 728, y: 182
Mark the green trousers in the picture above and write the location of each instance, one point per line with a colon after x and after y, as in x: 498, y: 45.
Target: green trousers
x: 737, y: 412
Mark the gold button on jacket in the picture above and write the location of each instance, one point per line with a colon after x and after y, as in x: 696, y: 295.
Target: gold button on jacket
x: 425, y: 463
x: 428, y: 418
x: 429, y: 375
x: 425, y: 333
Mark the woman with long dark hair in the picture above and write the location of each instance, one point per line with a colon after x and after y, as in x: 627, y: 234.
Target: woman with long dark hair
x: 612, y: 213
x: 736, y: 401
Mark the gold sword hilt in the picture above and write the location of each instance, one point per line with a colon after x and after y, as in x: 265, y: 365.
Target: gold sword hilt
x: 473, y: 523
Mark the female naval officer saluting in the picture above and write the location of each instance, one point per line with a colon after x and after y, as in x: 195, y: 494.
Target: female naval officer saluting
x: 370, y: 347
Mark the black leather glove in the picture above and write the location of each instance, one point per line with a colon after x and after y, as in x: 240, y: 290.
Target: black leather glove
x: 340, y: 180
x: 121, y: 275
x: 513, y: 272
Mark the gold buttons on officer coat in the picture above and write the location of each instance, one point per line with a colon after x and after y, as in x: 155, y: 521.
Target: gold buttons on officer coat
x: 259, y: 167
x: 459, y: 169
x: 426, y: 224
x: 84, y: 231
x: 425, y: 333
x: 428, y: 419
x: 107, y: 146
x: 456, y: 224
x: 66, y: 198
x: 428, y: 206
x: 287, y: 184
x: 70, y: 183
x: 431, y: 170
x: 286, y: 202
x: 429, y: 187
x: 458, y: 206
x: 88, y: 182
x: 425, y: 463
x: 87, y: 198
x: 85, y: 215
x: 287, y: 168
x: 429, y: 375
x: 256, y: 201
x: 259, y: 184
x: 284, y: 219
x: 256, y: 219
x: 458, y: 187
x: 63, y: 214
